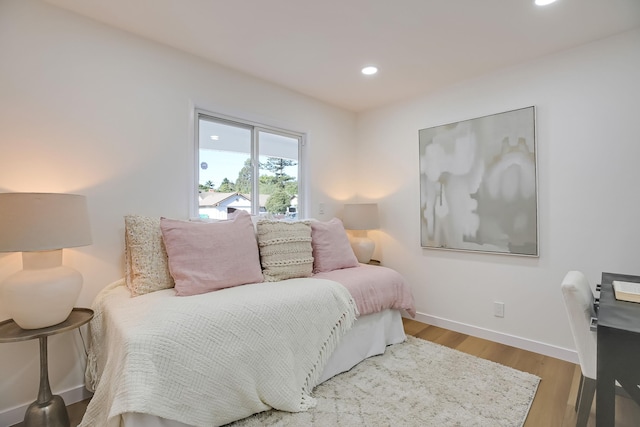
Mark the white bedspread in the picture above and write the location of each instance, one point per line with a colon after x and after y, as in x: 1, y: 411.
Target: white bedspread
x: 210, y: 359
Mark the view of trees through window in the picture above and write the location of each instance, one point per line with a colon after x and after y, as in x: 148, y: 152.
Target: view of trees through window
x: 230, y: 156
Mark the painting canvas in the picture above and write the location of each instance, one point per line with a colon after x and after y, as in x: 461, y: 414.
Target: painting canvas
x: 478, y: 184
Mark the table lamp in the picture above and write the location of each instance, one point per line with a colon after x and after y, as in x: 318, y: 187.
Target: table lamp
x: 40, y: 225
x: 361, y: 217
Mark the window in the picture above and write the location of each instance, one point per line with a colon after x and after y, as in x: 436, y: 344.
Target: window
x: 247, y: 166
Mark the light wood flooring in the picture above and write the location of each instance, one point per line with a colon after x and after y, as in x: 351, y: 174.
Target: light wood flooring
x: 554, y: 402
x: 553, y: 405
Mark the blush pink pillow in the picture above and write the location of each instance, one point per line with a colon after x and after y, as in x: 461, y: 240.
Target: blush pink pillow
x: 205, y: 257
x: 331, y: 247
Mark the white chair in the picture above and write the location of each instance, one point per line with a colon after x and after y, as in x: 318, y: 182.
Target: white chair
x: 578, y: 299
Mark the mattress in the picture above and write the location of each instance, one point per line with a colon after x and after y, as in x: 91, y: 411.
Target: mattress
x: 369, y: 336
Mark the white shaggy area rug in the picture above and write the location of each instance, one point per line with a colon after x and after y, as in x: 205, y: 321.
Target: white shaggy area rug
x: 416, y: 383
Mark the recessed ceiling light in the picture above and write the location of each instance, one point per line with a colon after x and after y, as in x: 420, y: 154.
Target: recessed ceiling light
x: 543, y: 2
x: 215, y: 137
x: 369, y: 70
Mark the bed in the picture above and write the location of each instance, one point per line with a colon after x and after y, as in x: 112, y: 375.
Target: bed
x: 169, y: 358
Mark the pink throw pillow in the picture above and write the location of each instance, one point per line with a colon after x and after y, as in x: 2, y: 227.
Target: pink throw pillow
x: 331, y: 247
x: 205, y: 257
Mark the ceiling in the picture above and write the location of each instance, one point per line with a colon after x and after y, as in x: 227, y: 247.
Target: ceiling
x: 318, y: 47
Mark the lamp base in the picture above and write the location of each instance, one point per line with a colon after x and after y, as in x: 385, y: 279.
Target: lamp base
x: 363, y: 248
x: 44, y: 292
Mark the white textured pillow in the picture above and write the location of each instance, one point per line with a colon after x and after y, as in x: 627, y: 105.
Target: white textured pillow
x: 285, y: 249
x: 146, y: 260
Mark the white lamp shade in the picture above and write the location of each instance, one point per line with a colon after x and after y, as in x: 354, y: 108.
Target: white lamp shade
x: 43, y: 221
x: 39, y: 225
x: 361, y: 216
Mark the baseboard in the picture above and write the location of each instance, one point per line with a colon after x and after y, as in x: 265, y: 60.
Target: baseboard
x: 15, y: 415
x: 500, y: 337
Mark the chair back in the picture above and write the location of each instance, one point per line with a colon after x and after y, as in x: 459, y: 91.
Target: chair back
x: 578, y: 300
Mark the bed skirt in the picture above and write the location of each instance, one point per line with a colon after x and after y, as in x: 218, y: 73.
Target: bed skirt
x: 368, y: 337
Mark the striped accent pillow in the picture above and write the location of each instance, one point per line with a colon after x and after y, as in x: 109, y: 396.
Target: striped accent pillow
x: 285, y: 249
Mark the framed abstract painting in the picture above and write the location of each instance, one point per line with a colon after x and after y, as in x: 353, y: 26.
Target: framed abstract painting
x: 478, y: 184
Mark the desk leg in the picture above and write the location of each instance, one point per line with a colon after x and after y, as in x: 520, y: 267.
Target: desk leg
x: 606, y: 382
x: 48, y: 410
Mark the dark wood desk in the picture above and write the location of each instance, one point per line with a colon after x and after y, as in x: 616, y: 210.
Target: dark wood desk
x: 618, y: 349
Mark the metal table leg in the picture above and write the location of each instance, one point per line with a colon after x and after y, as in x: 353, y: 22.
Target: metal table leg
x: 48, y: 410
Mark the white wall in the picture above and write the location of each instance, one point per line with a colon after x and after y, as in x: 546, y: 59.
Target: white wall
x: 88, y: 109
x: 588, y: 150
x: 92, y: 110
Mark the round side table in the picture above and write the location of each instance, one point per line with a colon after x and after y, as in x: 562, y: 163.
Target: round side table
x: 49, y: 410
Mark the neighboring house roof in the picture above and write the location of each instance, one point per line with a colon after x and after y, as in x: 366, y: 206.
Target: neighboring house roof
x: 262, y: 198
x: 213, y: 198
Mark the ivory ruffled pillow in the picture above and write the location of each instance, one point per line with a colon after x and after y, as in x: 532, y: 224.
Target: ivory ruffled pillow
x: 146, y: 264
x: 205, y: 257
x: 285, y: 249
x: 331, y: 247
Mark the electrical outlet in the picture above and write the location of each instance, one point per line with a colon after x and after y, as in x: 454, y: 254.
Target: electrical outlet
x: 321, y: 208
x: 498, y: 309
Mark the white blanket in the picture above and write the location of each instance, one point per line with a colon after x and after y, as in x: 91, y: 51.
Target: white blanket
x: 210, y: 359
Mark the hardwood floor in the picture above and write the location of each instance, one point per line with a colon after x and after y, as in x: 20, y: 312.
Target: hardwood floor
x: 553, y: 405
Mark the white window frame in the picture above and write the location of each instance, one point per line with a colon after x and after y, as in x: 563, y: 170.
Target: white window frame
x: 254, y: 127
